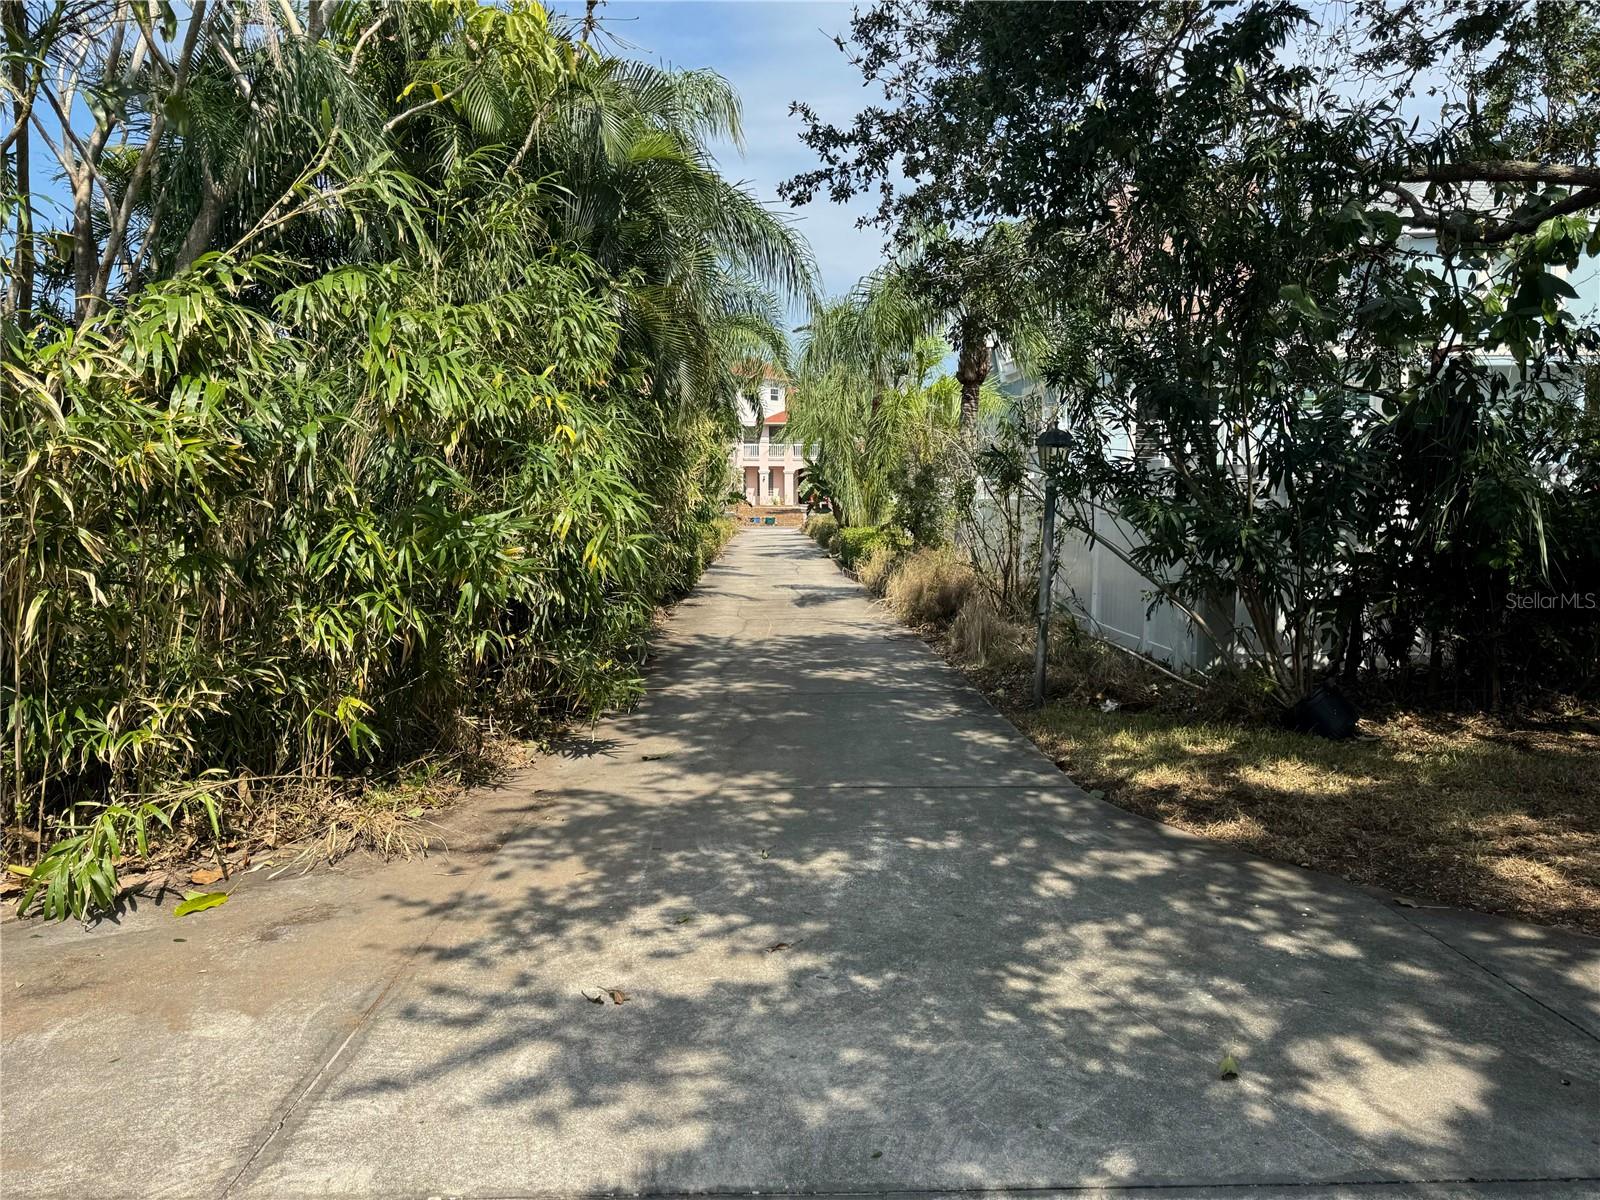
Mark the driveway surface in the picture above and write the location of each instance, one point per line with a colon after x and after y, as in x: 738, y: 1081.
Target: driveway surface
x: 870, y: 941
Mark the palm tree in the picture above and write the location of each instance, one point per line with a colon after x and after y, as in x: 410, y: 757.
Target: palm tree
x: 708, y: 267
x: 379, y: 376
x: 986, y: 291
x: 863, y: 398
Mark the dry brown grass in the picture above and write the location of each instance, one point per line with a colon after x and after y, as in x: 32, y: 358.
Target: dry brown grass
x: 1456, y: 809
x: 1464, y: 810
x: 875, y: 569
x: 982, y: 636
x: 929, y: 587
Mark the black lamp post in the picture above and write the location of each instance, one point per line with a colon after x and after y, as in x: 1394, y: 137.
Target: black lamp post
x: 1052, y: 444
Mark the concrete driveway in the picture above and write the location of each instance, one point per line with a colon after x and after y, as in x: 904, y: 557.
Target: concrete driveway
x: 869, y: 941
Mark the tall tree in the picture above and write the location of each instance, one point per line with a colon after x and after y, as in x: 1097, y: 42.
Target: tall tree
x: 1288, y: 254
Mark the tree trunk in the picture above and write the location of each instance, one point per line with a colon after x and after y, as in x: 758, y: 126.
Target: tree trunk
x: 203, y: 228
x: 86, y: 249
x: 16, y: 20
x: 972, y: 368
x: 1352, y: 642
x: 1435, y: 661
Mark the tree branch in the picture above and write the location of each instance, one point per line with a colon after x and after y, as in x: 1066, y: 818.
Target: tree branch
x: 1501, y: 171
x: 118, y: 227
x: 399, y: 118
x: 1469, y: 227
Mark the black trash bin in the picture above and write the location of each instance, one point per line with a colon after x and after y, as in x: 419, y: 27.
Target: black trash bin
x: 1325, y: 713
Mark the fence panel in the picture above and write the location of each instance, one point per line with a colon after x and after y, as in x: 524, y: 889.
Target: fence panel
x: 1113, y: 599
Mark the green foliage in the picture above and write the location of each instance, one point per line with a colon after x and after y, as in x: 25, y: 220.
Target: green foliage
x: 821, y: 528
x: 78, y: 872
x: 879, y: 425
x: 422, y: 439
x: 194, y: 902
x: 852, y: 544
x: 1285, y: 256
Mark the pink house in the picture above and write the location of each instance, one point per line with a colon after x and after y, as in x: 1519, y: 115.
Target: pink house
x: 769, y: 467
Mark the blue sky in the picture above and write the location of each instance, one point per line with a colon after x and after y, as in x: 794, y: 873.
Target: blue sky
x: 773, y: 52
x: 778, y: 51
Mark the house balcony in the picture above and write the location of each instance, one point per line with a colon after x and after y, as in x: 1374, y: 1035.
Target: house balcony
x: 777, y: 453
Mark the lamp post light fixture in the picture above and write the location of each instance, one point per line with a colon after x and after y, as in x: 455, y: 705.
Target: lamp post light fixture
x: 1052, y: 445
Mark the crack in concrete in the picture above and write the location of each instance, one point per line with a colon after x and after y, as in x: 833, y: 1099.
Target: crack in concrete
x: 1493, y: 974
x: 1070, y: 1189
x: 402, y: 975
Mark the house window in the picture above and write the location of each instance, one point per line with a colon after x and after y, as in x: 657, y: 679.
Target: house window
x: 1146, y: 434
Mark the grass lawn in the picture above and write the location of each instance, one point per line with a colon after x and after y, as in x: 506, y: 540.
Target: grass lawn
x: 1455, y: 809
x: 1464, y: 810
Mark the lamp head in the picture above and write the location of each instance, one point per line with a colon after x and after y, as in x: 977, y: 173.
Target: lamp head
x: 1052, y: 444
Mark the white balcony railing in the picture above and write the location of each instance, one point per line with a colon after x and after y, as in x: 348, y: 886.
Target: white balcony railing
x: 771, y: 452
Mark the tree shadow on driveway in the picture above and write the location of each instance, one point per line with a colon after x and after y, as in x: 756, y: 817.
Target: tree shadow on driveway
x: 869, y: 940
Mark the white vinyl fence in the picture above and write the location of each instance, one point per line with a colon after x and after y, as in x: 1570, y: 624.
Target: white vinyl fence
x: 1113, y: 601
x: 1109, y: 598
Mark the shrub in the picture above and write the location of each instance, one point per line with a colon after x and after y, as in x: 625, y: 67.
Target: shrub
x: 930, y: 586
x: 876, y: 566
x: 713, y: 539
x: 331, y: 607
x: 821, y: 528
x: 852, y: 545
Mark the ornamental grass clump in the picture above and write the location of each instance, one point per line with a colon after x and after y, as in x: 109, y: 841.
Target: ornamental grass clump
x: 981, y: 636
x: 877, y: 566
x: 930, y: 586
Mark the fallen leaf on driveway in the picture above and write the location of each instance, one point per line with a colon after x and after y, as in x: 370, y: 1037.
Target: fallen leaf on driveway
x: 1228, y: 1068
x: 655, y: 757
x: 767, y: 853
x: 205, y: 875
x: 776, y: 946
x: 618, y: 996
x: 597, y: 998
x: 195, y: 902
x: 683, y: 920
x: 1404, y: 902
